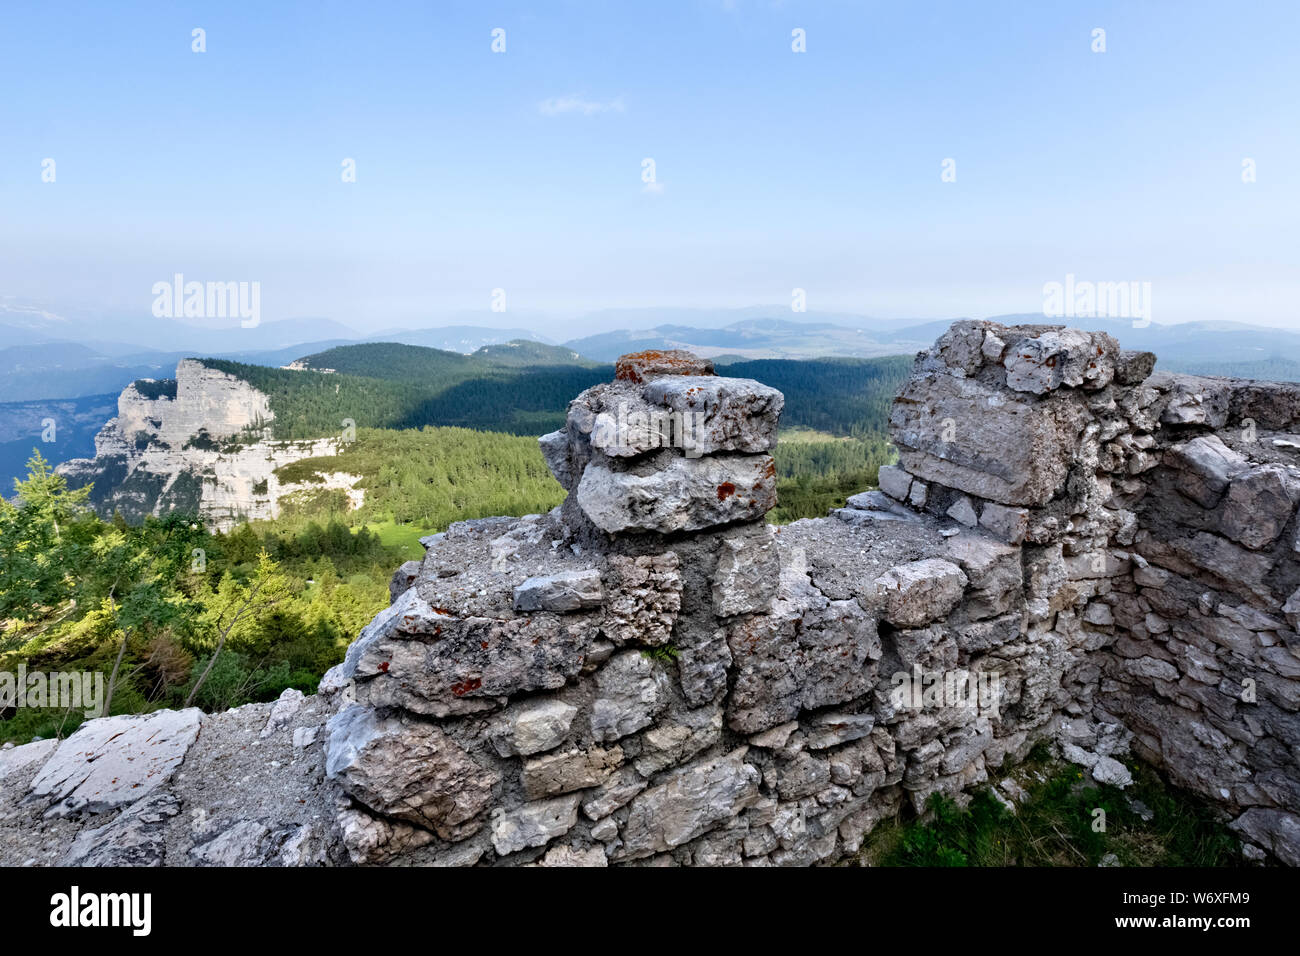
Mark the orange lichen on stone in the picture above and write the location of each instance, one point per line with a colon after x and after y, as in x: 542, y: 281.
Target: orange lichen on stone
x: 642, y: 366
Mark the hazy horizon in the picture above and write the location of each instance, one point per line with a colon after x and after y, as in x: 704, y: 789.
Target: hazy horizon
x: 523, y: 171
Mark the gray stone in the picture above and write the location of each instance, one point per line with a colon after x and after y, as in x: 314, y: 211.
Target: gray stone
x: 969, y: 436
x: 402, y: 579
x: 834, y: 728
x: 1276, y: 830
x: 723, y: 414
x: 692, y: 801
x: 568, y: 856
x: 922, y: 591
x: 894, y: 481
x: 962, y: 510
x: 408, y: 769
x: 614, y: 793
x: 688, y: 495
x: 284, y: 711
x: 1065, y: 357
x: 677, y: 741
x: 747, y: 575
x: 563, y: 591
x: 1008, y: 524
x: 645, y: 598
x: 533, y: 824
x: 532, y: 726
x: 630, y: 692
x: 654, y: 363
x: 429, y: 661
x: 1258, y: 505
x: 111, y: 762
x: 1204, y: 467
x: 136, y: 837
x: 555, y: 449
x: 1192, y: 400
x: 807, y: 652
x: 571, y: 770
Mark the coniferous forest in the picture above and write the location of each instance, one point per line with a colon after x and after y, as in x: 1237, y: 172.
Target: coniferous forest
x: 440, y: 437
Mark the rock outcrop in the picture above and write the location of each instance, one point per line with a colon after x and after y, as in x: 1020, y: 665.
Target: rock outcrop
x: 198, y: 443
x: 1071, y: 549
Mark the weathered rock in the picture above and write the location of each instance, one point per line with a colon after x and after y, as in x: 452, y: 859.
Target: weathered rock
x: 568, y: 856
x: 630, y: 692
x: 1277, y: 830
x: 1193, y: 401
x: 564, y: 591
x: 418, y: 657
x: 655, y: 363
x: 922, y: 591
x: 688, y: 495
x: 534, y: 824
x: 408, y: 769
x: 690, y: 803
x: 532, y: 727
x: 808, y: 652
x: 373, y: 840
x: 134, y: 838
x: 1259, y: 504
x: 1066, y: 357
x: 555, y: 450
x: 963, y: 434
x: 114, y: 761
x: 282, y: 714
x: 962, y: 510
x: 645, y: 599
x: 894, y: 481
x: 571, y: 770
x: 747, y: 575
x: 674, y: 742
x: 402, y: 579
x: 1008, y: 524
x: 1204, y: 465
x: 722, y: 414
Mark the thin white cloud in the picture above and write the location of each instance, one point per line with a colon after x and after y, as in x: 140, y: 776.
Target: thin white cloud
x: 559, y: 105
x: 654, y: 189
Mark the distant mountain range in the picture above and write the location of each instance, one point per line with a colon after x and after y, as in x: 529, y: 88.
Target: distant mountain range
x: 44, y: 356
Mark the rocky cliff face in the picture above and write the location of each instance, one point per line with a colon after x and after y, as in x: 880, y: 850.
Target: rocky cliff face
x: 198, y: 443
x: 1072, y: 549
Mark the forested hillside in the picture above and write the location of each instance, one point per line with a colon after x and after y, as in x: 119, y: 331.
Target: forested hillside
x: 153, y: 601
x: 840, y: 396
x: 385, y: 385
x: 426, y: 478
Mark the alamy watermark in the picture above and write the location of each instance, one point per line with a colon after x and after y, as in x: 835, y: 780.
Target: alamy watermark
x: 638, y: 430
x: 208, y: 300
x: 978, y: 691
x: 66, y: 690
x: 1084, y: 299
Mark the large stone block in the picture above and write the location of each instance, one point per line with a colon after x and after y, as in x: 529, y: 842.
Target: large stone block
x: 689, y: 494
x: 919, y: 592
x: 1203, y: 467
x: 1259, y: 504
x: 1064, y: 357
x: 409, y: 769
x: 114, y: 761
x: 806, y: 652
x: 415, y: 656
x: 691, y: 802
x: 964, y: 434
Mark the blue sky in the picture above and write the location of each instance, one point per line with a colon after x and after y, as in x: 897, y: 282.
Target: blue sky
x: 522, y: 170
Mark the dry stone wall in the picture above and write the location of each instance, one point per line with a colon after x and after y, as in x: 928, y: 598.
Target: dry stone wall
x: 1071, y: 549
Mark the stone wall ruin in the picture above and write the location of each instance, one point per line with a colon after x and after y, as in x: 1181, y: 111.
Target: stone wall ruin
x: 1071, y: 548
